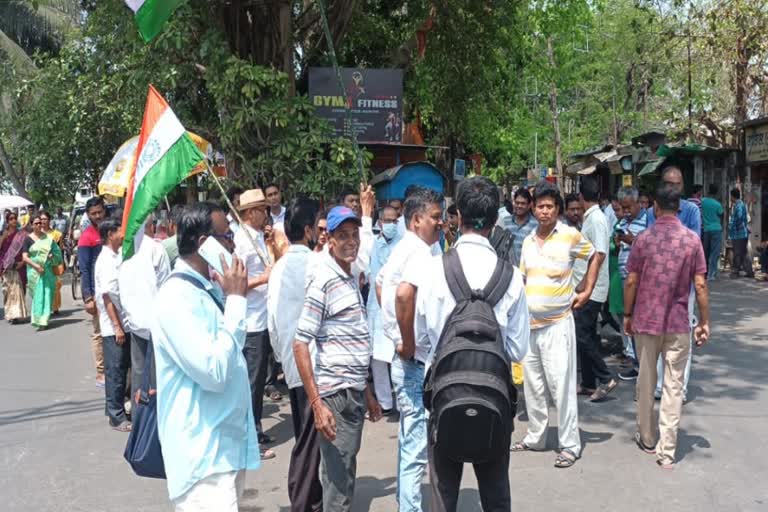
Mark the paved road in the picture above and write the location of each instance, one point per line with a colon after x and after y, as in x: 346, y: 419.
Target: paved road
x: 57, y: 453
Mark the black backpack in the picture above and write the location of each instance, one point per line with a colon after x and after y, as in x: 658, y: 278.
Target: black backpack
x: 469, y: 389
x: 503, y: 243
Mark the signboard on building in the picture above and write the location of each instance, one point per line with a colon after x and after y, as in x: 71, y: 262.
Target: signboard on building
x: 756, y: 143
x: 374, y: 97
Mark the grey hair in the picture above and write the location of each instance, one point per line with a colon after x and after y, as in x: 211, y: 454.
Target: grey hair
x: 628, y: 192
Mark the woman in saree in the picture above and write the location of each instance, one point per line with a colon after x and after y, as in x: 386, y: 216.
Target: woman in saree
x: 56, y: 235
x: 41, y: 254
x: 12, y: 271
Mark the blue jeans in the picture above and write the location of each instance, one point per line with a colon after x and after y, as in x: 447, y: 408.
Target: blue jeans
x: 117, y: 366
x: 408, y: 381
x: 713, y: 243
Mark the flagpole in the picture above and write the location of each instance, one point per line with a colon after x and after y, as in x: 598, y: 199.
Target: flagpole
x: 263, y: 257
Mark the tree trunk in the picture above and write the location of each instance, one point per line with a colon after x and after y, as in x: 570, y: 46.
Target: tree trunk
x: 286, y: 45
x: 16, y: 179
x: 555, y: 115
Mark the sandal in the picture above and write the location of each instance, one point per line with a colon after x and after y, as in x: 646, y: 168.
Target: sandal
x: 582, y: 391
x: 665, y: 465
x: 267, y: 454
x: 641, y: 445
x: 275, y: 396
x: 520, y: 447
x: 564, y: 461
x: 125, y: 426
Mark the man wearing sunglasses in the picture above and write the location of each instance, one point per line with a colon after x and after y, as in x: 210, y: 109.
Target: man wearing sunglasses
x: 254, y: 210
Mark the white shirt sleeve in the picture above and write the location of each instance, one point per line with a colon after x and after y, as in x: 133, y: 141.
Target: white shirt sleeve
x: 517, y: 337
x: 161, y: 263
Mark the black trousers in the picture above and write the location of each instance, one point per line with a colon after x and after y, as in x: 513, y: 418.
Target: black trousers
x: 139, y: 347
x: 741, y: 260
x: 593, y: 367
x: 445, y: 480
x: 304, y: 489
x: 256, y: 352
x: 117, y: 365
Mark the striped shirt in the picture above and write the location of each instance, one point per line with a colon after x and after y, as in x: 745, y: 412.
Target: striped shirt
x: 635, y: 227
x: 334, y: 317
x: 519, y: 231
x: 548, y: 270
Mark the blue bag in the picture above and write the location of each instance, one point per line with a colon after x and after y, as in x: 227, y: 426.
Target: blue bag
x: 143, y: 451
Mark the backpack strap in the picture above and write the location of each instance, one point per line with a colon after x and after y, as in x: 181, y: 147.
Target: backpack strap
x: 197, y: 284
x: 499, y: 282
x: 454, y: 276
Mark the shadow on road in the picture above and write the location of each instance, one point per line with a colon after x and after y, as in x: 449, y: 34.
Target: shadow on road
x: 54, y: 410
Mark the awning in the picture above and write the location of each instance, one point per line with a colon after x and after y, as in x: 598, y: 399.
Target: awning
x: 574, y: 168
x: 588, y: 170
x: 650, y: 167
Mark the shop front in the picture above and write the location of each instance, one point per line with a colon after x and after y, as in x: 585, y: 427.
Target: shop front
x: 756, y: 177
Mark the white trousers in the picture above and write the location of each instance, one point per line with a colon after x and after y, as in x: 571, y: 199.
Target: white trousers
x: 215, y: 493
x: 550, y: 376
x: 381, y: 384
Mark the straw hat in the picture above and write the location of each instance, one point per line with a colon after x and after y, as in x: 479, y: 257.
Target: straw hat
x: 251, y: 199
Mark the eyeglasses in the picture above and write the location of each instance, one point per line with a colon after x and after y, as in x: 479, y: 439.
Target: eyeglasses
x: 229, y: 235
x: 322, y: 229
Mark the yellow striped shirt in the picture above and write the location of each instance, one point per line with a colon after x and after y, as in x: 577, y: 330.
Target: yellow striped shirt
x: 548, y: 270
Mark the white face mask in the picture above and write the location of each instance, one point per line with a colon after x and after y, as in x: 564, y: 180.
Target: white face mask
x: 389, y: 230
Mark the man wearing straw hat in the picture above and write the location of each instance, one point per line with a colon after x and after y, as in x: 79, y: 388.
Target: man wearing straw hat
x: 252, y: 250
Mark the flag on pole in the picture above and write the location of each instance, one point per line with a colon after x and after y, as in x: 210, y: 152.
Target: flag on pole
x: 165, y: 156
x: 151, y: 15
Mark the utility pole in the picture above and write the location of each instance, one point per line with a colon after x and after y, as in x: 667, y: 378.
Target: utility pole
x: 690, y: 87
x: 555, y: 116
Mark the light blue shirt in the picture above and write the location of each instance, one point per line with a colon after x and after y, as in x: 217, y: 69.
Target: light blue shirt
x: 381, y: 251
x: 204, y: 412
x: 689, y: 214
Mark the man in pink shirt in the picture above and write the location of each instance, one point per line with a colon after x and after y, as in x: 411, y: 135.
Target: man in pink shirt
x: 665, y: 260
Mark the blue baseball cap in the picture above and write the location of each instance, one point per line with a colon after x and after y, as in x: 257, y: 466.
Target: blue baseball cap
x: 338, y: 215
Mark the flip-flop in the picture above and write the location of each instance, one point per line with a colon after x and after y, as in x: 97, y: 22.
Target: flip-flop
x: 267, y: 454
x: 275, y: 396
x: 520, y: 447
x: 122, y: 427
x: 641, y: 445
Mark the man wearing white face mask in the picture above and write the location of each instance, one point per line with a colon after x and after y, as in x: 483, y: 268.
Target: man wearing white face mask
x: 383, y: 350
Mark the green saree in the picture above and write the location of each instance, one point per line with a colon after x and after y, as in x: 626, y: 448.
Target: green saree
x: 42, y: 287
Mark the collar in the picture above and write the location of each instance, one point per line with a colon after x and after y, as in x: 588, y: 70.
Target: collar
x: 183, y: 267
x: 527, y: 221
x: 331, y: 262
x: 298, y: 249
x: 280, y: 213
x: 413, y: 238
x: 474, y: 239
x: 668, y: 219
x: 591, y: 210
x: 558, y: 227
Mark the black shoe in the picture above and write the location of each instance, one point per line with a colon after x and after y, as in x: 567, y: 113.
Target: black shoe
x: 628, y: 375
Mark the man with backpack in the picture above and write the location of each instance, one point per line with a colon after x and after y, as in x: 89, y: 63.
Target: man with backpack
x: 547, y: 261
x: 472, y: 321
x: 423, y: 216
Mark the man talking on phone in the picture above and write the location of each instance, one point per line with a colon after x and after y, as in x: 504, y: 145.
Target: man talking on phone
x: 198, y: 340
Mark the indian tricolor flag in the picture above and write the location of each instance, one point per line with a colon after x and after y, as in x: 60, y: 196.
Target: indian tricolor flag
x: 151, y: 15
x: 165, y: 155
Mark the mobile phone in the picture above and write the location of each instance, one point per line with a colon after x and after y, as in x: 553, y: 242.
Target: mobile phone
x: 211, y: 250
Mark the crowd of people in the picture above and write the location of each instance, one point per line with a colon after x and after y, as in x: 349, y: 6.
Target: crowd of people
x: 409, y: 309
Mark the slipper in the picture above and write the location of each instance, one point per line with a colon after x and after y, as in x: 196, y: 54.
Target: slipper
x: 665, y: 465
x: 563, y: 461
x: 267, y: 454
x: 520, y: 447
x: 122, y: 427
x: 582, y: 391
x: 275, y: 396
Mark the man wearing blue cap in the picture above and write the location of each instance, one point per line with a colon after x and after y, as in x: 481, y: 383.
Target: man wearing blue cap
x: 337, y: 387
